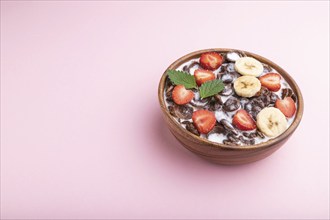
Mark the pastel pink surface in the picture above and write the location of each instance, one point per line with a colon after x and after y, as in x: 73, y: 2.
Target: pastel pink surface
x: 81, y: 129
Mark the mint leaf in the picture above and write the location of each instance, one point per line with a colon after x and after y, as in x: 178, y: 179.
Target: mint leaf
x: 182, y: 78
x: 211, y: 88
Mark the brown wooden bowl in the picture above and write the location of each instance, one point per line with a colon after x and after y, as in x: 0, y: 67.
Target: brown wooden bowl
x: 222, y: 153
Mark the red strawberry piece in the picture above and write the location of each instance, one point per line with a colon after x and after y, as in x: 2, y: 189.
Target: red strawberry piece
x: 271, y: 81
x: 201, y: 76
x: 181, y: 95
x: 243, y: 121
x: 286, y: 106
x: 204, y: 121
x: 211, y: 60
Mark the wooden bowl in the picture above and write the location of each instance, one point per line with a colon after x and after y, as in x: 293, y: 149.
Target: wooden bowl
x: 222, y: 153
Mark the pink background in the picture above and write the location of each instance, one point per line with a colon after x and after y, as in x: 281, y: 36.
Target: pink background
x: 81, y: 128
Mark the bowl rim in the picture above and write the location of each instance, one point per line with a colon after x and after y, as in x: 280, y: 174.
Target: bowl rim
x: 206, y: 142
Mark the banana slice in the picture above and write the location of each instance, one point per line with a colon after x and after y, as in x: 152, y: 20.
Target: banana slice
x: 271, y: 121
x: 249, y: 66
x: 247, y: 86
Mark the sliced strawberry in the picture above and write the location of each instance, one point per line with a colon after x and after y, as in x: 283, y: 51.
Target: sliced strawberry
x: 181, y: 95
x: 271, y: 81
x: 286, y: 106
x: 201, y: 76
x: 243, y: 120
x: 204, y: 120
x: 211, y: 60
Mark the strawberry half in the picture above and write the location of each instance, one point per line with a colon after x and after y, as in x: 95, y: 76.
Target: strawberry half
x: 204, y: 121
x: 201, y: 76
x: 271, y: 81
x: 286, y: 106
x: 243, y: 121
x: 211, y: 60
x: 181, y: 95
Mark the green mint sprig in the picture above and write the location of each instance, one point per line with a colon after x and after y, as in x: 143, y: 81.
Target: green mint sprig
x: 211, y: 88
x: 182, y: 78
x: 207, y: 89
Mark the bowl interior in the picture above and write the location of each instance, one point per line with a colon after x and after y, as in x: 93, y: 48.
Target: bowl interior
x: 266, y: 144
